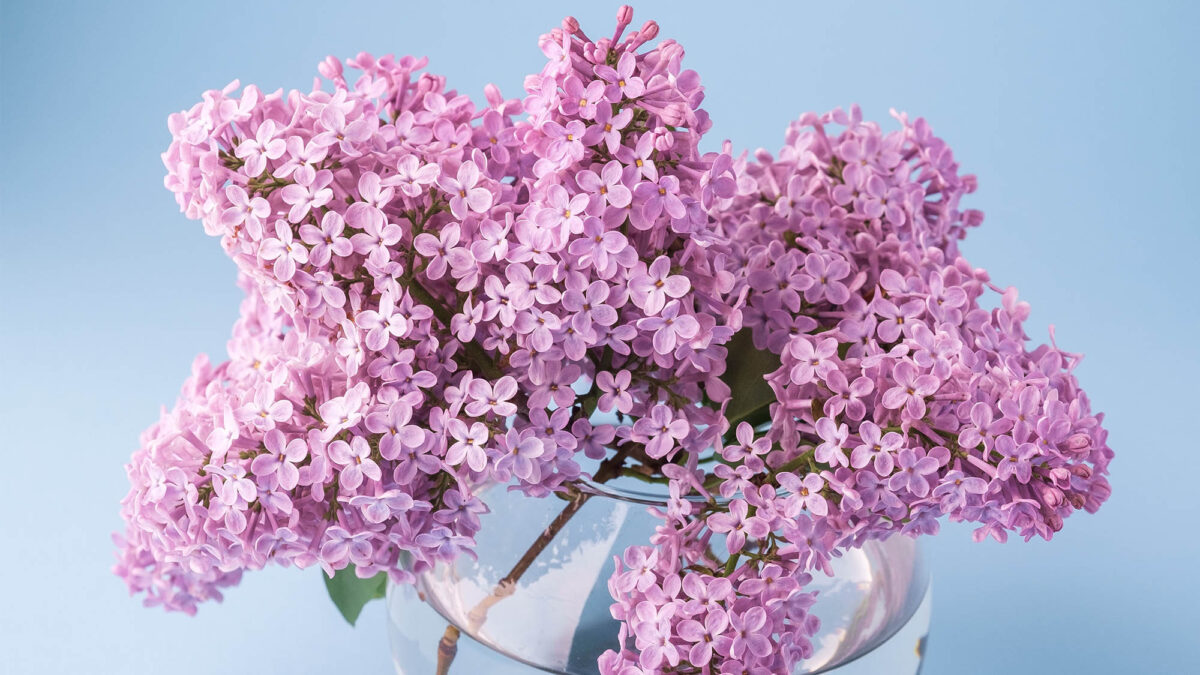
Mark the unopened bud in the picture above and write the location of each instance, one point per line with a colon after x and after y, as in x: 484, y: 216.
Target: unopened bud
x: 664, y: 140
x: 1079, y: 443
x: 624, y: 15
x: 330, y: 68
x: 1077, y: 500
x: 1053, y: 520
x: 649, y: 31
x: 1051, y: 496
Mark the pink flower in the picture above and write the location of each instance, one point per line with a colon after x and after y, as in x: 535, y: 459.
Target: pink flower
x: 622, y: 77
x: 343, y: 412
x: 245, y: 210
x: 579, y: 99
x: 608, y: 127
x: 812, y: 361
x: 396, y: 434
x: 651, y: 289
x: 1015, y: 459
x: 832, y: 451
x: 412, y: 177
x: 264, y: 411
x: 608, y: 187
x: 442, y: 249
x: 519, y: 454
x: 655, y: 198
x: 910, y: 390
x: 383, y: 324
x: 486, y: 398
x: 912, y: 472
x: 465, y: 192
x: 876, y: 448
x: 896, y: 319
x: 284, y: 250
x: 703, y: 636
x: 563, y: 213
x: 660, y: 429
x: 670, y: 328
x: 327, y: 240
x: 279, y: 462
x: 256, y: 151
x: 806, y: 492
x: 308, y: 192
x: 751, y: 636
x: 737, y: 524
x: 616, y: 394
x: 354, y: 460
x: 470, y: 445
x: 381, y: 508
x: 826, y: 273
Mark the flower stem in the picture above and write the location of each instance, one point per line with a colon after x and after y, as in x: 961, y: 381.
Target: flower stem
x: 448, y: 645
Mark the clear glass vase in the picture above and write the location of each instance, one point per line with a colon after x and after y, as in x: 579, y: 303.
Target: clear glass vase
x: 874, y: 611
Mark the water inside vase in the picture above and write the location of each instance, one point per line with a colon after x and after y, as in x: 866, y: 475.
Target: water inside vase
x: 557, y: 619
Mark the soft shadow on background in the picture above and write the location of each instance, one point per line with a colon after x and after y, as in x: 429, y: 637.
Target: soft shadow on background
x: 1077, y: 117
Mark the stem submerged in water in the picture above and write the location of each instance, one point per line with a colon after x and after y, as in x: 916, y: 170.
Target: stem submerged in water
x: 448, y: 645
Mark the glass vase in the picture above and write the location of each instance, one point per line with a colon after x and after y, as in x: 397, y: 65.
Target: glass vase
x: 874, y: 611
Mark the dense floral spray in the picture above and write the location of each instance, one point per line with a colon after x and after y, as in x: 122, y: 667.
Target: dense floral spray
x: 441, y: 297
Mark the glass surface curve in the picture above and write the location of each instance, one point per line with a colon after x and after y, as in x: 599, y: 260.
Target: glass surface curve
x: 874, y: 611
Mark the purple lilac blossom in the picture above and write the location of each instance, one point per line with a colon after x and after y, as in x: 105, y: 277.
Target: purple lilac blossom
x: 428, y: 280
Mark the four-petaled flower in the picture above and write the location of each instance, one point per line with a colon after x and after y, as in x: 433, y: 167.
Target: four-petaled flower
x: 651, y: 289
x: 279, y: 461
x: 616, y: 391
x: 737, y: 524
x: 670, y: 327
x: 286, y: 252
x: 912, y: 472
x: 494, y: 399
x: 910, y: 390
x: 465, y: 192
x: 661, y: 429
x: 470, y: 444
x: 355, y: 462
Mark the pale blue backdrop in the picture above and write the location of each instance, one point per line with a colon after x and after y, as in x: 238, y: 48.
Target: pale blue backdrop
x: 1079, y: 118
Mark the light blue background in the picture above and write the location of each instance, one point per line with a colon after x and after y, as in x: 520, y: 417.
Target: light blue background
x: 1079, y: 118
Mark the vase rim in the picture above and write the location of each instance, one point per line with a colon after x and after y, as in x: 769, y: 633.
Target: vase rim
x: 647, y: 496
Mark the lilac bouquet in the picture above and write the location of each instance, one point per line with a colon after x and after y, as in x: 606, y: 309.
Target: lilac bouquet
x: 541, y: 292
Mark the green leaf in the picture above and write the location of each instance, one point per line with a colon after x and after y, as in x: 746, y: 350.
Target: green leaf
x: 745, y: 373
x: 350, y: 593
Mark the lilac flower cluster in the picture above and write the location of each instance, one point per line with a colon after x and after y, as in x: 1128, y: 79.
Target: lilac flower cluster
x: 897, y: 399
x: 535, y: 293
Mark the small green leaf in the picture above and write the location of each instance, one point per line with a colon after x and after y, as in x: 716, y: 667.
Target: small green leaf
x: 746, y: 369
x: 350, y: 593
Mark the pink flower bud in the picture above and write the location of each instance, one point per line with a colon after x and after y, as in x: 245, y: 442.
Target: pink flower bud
x: 1081, y: 470
x: 1051, y: 496
x: 1061, y: 477
x: 624, y: 15
x: 664, y: 140
x: 1053, y: 520
x: 1079, y: 444
x: 571, y: 25
x: 330, y: 68
x: 492, y: 93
